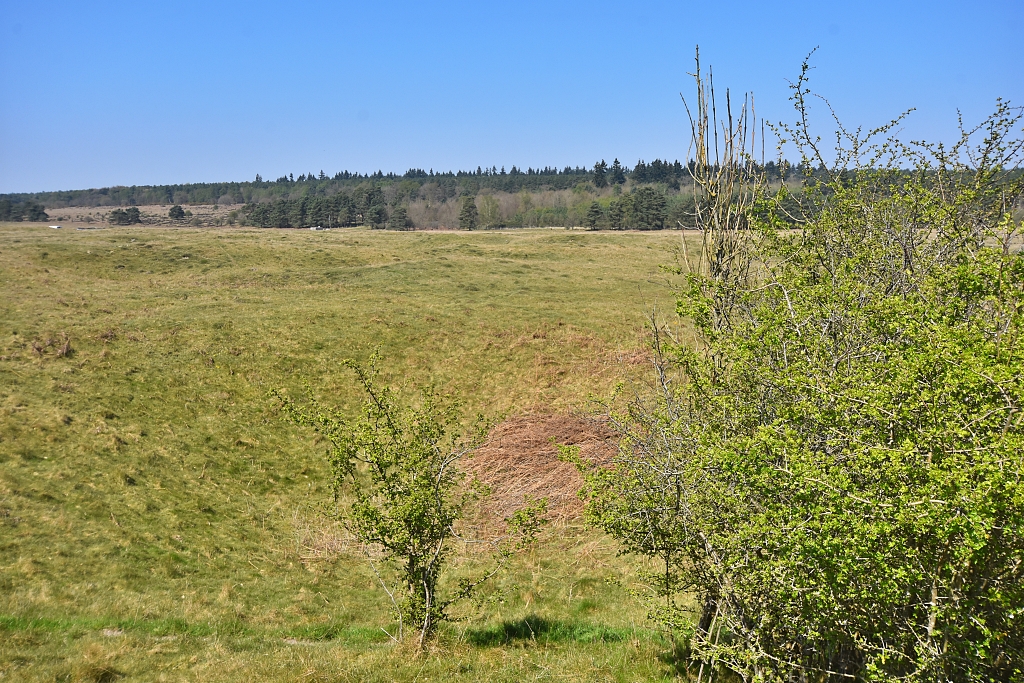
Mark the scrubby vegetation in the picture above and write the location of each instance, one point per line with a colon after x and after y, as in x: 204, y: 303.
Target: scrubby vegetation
x: 831, y: 461
x: 129, y: 216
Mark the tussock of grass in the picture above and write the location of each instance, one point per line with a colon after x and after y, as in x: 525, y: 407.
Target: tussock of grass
x: 148, y: 487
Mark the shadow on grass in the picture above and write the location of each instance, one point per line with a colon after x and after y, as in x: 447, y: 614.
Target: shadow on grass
x: 544, y: 631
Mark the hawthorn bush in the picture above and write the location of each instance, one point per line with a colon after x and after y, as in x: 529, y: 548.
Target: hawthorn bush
x: 401, y: 493
x: 829, y: 472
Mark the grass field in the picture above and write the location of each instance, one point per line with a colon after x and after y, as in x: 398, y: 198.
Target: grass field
x: 159, y: 520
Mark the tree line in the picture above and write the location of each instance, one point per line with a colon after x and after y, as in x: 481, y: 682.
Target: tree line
x: 446, y: 184
x: 26, y: 210
x: 643, y: 208
x: 364, y: 205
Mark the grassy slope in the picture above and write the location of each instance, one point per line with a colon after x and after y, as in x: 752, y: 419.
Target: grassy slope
x: 148, y: 487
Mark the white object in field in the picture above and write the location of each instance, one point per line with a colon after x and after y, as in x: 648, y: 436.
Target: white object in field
x: 56, y: 227
x: 319, y: 227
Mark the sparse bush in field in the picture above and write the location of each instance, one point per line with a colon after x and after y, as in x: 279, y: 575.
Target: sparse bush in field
x: 128, y: 216
x: 176, y: 213
x: 831, y: 464
x: 60, y: 343
x: 400, y: 465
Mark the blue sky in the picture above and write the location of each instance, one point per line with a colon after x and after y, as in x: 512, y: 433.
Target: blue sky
x: 119, y: 93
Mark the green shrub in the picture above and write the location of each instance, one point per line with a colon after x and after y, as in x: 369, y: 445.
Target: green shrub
x: 128, y: 216
x: 400, y: 463
x: 832, y: 465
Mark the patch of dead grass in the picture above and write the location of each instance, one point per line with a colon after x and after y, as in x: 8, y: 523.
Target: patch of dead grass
x: 520, y: 458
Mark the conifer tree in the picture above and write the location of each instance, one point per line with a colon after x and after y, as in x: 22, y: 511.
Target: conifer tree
x: 468, y: 214
x: 615, y: 214
x: 399, y: 218
x: 594, y: 215
x: 618, y: 175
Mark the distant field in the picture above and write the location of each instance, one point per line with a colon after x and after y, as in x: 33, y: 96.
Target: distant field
x: 158, y: 519
x: 203, y: 215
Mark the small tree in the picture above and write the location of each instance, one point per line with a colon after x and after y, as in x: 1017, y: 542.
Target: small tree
x: 616, y: 217
x: 176, y: 213
x: 594, y: 215
x: 376, y: 216
x: 649, y: 209
x: 399, y: 464
x: 468, y: 214
x: 617, y: 175
x: 489, y: 213
x: 399, y: 219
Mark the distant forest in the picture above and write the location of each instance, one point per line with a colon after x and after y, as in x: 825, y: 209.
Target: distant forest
x: 450, y: 184
x: 606, y: 195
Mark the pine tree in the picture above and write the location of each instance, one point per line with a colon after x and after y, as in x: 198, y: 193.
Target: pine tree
x: 601, y: 174
x: 615, y: 214
x: 618, y: 175
x: 399, y: 218
x: 468, y: 214
x: 594, y: 215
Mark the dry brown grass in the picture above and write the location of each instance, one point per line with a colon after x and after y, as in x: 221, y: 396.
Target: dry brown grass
x: 520, y: 459
x: 152, y: 215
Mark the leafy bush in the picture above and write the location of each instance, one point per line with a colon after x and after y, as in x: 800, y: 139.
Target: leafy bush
x: 833, y: 464
x: 400, y: 464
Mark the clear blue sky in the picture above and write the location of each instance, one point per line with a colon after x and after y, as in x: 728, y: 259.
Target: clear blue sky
x: 128, y: 93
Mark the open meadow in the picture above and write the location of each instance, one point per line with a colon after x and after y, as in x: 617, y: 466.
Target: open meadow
x: 161, y: 520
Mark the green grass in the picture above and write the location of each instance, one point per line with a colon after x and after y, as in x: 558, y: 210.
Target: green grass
x: 160, y: 521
